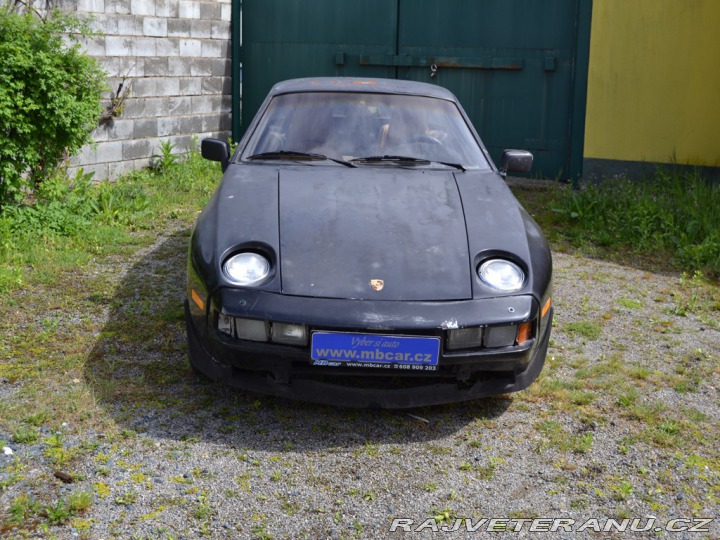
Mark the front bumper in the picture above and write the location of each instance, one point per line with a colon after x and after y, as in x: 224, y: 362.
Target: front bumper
x: 285, y: 371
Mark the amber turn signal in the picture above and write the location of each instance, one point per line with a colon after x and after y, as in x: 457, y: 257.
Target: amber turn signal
x: 196, y: 298
x: 524, y: 333
x: 546, y: 308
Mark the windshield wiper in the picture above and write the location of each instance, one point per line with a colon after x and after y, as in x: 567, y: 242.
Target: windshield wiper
x: 408, y: 159
x: 296, y: 155
x: 377, y: 159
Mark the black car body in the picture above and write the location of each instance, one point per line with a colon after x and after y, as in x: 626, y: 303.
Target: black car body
x: 363, y: 250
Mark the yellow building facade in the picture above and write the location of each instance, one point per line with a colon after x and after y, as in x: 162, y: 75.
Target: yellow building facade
x: 653, y: 86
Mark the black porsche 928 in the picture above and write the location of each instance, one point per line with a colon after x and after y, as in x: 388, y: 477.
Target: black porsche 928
x: 363, y: 250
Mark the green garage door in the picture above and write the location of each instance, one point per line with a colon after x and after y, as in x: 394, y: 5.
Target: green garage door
x: 519, y: 67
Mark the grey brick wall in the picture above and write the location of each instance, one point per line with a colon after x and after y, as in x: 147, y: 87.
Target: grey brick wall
x: 174, y: 57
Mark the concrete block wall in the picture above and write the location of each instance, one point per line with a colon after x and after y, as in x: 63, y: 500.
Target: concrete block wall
x: 174, y: 58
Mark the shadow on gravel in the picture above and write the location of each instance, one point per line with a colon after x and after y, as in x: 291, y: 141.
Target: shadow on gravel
x: 140, y: 374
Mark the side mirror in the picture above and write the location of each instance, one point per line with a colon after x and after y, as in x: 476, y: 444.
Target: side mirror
x: 216, y: 150
x: 515, y: 161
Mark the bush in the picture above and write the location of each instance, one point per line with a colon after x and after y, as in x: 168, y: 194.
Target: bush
x: 50, y: 97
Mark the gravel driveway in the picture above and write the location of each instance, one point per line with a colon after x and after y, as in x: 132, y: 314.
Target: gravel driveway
x: 623, y: 424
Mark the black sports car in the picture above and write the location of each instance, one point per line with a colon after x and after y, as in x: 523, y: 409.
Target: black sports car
x: 363, y: 250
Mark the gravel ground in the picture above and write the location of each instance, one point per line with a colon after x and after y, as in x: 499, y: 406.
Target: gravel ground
x: 195, y: 459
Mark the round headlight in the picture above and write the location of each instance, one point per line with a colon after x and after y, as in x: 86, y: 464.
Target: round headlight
x: 246, y: 268
x: 501, y: 274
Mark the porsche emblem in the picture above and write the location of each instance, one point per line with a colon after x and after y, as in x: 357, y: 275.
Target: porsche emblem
x: 377, y: 284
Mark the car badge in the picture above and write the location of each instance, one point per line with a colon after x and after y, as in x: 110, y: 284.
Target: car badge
x: 377, y: 284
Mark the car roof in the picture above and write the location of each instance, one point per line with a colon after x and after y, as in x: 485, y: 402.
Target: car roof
x: 359, y: 84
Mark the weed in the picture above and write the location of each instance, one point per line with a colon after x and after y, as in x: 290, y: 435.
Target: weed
x: 371, y: 450
x: 485, y: 472
x: 288, y: 446
x: 629, y: 304
x: 622, y: 490
x: 60, y: 456
x: 586, y: 329
x: 102, y: 489
x: 138, y: 478
x: 11, y: 277
x: 166, y: 160
x: 523, y: 514
x: 51, y: 95
x: 647, y: 412
x: 23, y: 508
x: 127, y: 498
x: 581, y: 397
x: 695, y: 295
x: 203, y: 510
x: 677, y: 213
x: 555, y: 435
x: 627, y: 399
x: 669, y: 427
x: 638, y: 372
x: 445, y: 515
x: 439, y: 450
x: 58, y: 513
x: 260, y: 532
x: 623, y: 513
x: 24, y: 435
x: 80, y: 501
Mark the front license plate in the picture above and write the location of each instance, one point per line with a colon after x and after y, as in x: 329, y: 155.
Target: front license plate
x: 372, y: 350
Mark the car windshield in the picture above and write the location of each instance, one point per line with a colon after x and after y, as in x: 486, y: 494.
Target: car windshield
x: 365, y: 128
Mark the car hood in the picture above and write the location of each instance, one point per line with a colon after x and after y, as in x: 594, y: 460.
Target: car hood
x: 333, y: 230
x: 344, y: 230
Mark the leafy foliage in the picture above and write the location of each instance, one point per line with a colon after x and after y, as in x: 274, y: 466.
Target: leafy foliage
x: 166, y: 160
x: 50, y: 96
x: 669, y: 212
x: 70, y: 219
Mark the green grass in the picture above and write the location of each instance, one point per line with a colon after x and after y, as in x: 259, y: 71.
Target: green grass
x: 665, y: 219
x: 586, y: 329
x: 629, y: 303
x: 59, y: 251
x: 554, y: 435
x: 70, y: 221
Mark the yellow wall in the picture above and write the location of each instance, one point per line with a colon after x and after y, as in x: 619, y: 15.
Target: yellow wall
x: 654, y: 81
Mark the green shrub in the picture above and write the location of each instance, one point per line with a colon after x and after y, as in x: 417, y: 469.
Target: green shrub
x: 50, y: 97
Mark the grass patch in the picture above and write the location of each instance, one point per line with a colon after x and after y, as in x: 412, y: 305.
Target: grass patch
x: 585, y: 329
x: 59, y: 255
x: 629, y: 303
x: 64, y: 257
x: 665, y: 218
x: 554, y: 435
x: 69, y: 221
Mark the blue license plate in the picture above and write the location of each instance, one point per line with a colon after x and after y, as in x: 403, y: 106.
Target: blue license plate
x: 372, y: 350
